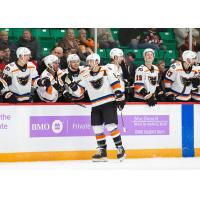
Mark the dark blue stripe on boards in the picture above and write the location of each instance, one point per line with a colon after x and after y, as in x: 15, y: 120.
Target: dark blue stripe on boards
x: 187, y: 130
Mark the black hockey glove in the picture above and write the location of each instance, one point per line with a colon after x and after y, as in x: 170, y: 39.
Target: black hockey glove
x: 10, y: 97
x: 168, y: 95
x: 195, y: 82
x: 68, y: 79
x: 159, y: 94
x: 44, y: 82
x: 120, y: 101
x: 151, y: 100
x: 7, y: 79
x: 1, y: 86
x: 67, y: 96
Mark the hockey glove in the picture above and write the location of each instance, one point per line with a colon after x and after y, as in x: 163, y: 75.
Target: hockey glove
x: 169, y: 96
x: 7, y: 79
x: 195, y: 82
x: 68, y: 79
x: 159, y: 94
x: 44, y: 82
x: 67, y: 95
x: 10, y: 97
x: 1, y: 86
x: 150, y: 98
x: 120, y: 100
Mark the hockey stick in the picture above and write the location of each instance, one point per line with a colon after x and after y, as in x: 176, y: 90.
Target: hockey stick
x: 123, y: 125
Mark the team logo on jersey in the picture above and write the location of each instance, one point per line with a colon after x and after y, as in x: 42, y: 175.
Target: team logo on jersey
x: 185, y: 81
x: 23, y: 80
x: 152, y: 80
x: 97, y: 84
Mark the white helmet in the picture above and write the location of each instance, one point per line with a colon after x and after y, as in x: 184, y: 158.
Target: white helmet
x: 21, y: 51
x: 116, y: 52
x: 50, y: 59
x: 93, y: 56
x: 188, y: 55
x: 72, y: 57
x: 148, y: 50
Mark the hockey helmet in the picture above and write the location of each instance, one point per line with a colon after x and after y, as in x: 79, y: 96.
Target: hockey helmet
x: 21, y: 51
x: 50, y: 59
x: 148, y: 50
x: 116, y: 52
x: 93, y: 56
x: 188, y: 54
x: 72, y: 57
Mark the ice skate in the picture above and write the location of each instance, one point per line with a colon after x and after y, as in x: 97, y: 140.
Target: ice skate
x: 121, y: 153
x: 100, y: 156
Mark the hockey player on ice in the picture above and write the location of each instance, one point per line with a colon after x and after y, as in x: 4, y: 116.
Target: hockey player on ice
x: 106, y: 94
x: 50, y: 93
x: 118, y: 66
x: 20, y: 76
x: 180, y: 78
x: 146, y: 86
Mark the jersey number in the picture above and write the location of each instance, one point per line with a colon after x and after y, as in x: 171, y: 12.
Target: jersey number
x: 169, y: 73
x: 138, y: 77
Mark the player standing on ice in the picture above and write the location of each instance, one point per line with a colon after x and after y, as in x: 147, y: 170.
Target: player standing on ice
x: 105, y: 93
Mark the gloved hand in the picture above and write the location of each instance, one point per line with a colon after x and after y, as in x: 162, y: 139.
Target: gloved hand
x: 169, y: 96
x: 195, y: 82
x: 44, y: 82
x: 150, y: 98
x: 1, y: 86
x: 67, y: 95
x: 120, y: 100
x: 68, y: 79
x: 10, y: 97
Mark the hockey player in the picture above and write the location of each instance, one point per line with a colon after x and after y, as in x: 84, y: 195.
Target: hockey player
x: 75, y: 71
x: 179, y: 78
x: 146, y: 87
x: 50, y: 93
x: 118, y: 66
x: 105, y: 93
x: 20, y: 76
x: 196, y: 85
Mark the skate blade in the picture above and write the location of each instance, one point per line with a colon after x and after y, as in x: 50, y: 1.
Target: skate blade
x: 122, y: 158
x: 100, y: 160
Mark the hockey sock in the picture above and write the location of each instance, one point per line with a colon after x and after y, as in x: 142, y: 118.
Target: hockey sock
x: 116, y: 137
x: 101, y: 140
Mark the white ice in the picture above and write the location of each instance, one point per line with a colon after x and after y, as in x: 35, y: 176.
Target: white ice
x: 132, y: 164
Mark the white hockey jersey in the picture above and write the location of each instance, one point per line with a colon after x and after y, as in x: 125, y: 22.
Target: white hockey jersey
x: 49, y: 94
x: 196, y: 93
x: 176, y: 79
x: 118, y: 73
x: 22, y: 81
x: 100, y: 87
x: 145, y: 78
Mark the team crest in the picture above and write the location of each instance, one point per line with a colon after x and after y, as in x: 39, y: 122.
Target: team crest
x: 152, y: 80
x: 97, y: 84
x: 185, y: 81
x: 23, y: 80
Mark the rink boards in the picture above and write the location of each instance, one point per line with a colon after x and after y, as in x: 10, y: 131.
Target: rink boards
x: 33, y: 132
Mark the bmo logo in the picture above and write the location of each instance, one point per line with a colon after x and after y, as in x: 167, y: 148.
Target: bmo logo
x: 47, y: 126
x: 40, y: 127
